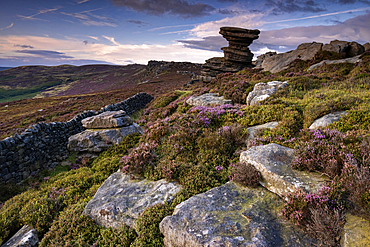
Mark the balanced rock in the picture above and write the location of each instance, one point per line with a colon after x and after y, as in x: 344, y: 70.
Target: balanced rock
x: 262, y: 91
x: 121, y: 201
x: 236, y: 56
x: 274, y: 163
x: 208, y: 99
x: 25, y: 237
x: 98, y: 140
x: 106, y: 120
x: 231, y: 215
x: 355, y: 59
x: 327, y: 119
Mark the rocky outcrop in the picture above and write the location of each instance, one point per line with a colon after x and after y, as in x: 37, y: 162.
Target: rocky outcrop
x: 345, y: 48
x: 105, y: 130
x: 25, y: 237
x: 121, y: 201
x: 279, y: 62
x: 367, y: 46
x: 355, y: 59
x: 327, y: 119
x: 262, y: 91
x: 110, y: 119
x: 231, y: 215
x: 208, y: 99
x: 356, y: 232
x: 273, y: 161
x: 236, y: 56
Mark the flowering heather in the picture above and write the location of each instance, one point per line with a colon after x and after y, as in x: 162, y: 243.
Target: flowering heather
x: 245, y: 174
x: 209, y: 116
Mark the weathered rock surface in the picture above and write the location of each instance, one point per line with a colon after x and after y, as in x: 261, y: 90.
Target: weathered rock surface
x: 252, y: 130
x: 355, y: 59
x: 121, y: 201
x: 356, y: 232
x: 279, y: 62
x: 208, y: 99
x: 262, y: 91
x: 25, y: 237
x: 96, y: 141
x: 367, y: 46
x: 347, y: 49
x: 231, y: 215
x: 273, y: 161
x: 236, y: 56
x: 327, y: 119
x: 106, y: 120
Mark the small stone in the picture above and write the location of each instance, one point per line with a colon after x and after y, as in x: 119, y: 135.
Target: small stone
x: 327, y: 119
x: 208, y: 99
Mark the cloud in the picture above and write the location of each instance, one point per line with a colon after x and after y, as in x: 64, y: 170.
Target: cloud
x: 24, y: 46
x: 89, y: 19
x: 210, y: 43
x: 93, y: 37
x: 290, y: 6
x: 139, y: 23
x: 111, y: 39
x: 44, y: 53
x: 230, y: 1
x: 350, y: 1
x: 181, y: 8
x: 82, y: 1
x: 43, y: 11
x: 7, y: 26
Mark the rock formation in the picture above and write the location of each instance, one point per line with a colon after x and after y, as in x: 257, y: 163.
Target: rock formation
x: 262, y: 91
x: 25, y: 237
x: 367, y: 46
x: 236, y: 56
x: 121, y: 200
x: 103, y: 131
x: 327, y: 119
x: 208, y: 99
x: 355, y: 59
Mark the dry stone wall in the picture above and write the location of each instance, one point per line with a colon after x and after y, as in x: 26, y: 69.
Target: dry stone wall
x: 44, y: 145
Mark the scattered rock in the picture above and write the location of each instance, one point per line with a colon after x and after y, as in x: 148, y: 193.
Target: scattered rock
x: 356, y: 232
x: 208, y: 99
x: 262, y: 91
x: 355, y: 59
x: 66, y: 163
x: 273, y: 161
x: 279, y: 62
x: 25, y: 237
x: 252, y: 130
x: 327, y: 119
x: 96, y: 141
x: 106, y: 120
x: 121, y: 200
x: 231, y: 215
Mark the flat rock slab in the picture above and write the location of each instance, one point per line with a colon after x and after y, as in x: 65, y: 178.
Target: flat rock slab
x: 262, y: 91
x: 121, y: 201
x: 355, y: 59
x: 327, y: 119
x: 208, y: 99
x: 25, y: 237
x: 106, y: 120
x: 252, y: 130
x: 95, y: 141
x: 274, y: 163
x: 356, y: 232
x: 231, y: 215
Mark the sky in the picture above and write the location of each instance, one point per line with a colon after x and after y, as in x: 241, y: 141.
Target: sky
x: 78, y: 32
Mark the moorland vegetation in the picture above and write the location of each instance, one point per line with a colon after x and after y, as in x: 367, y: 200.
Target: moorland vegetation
x: 199, y: 147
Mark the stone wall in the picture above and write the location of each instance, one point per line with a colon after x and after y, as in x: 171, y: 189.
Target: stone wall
x: 44, y: 145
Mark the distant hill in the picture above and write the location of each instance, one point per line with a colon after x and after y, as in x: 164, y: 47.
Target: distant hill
x: 4, y: 68
x: 43, y: 81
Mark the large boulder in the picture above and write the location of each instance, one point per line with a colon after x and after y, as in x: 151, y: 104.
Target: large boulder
x: 355, y: 49
x: 356, y: 232
x: 274, y: 163
x: 327, y: 119
x: 95, y: 141
x: 367, y: 46
x: 262, y: 91
x: 337, y: 46
x: 279, y: 62
x: 208, y: 99
x: 121, y: 201
x: 25, y: 237
x: 231, y: 215
x: 106, y: 120
x: 355, y: 59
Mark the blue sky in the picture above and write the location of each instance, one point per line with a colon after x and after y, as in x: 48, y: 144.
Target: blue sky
x: 53, y: 32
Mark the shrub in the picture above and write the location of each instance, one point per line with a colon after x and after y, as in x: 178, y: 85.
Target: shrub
x: 245, y: 174
x: 139, y: 159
